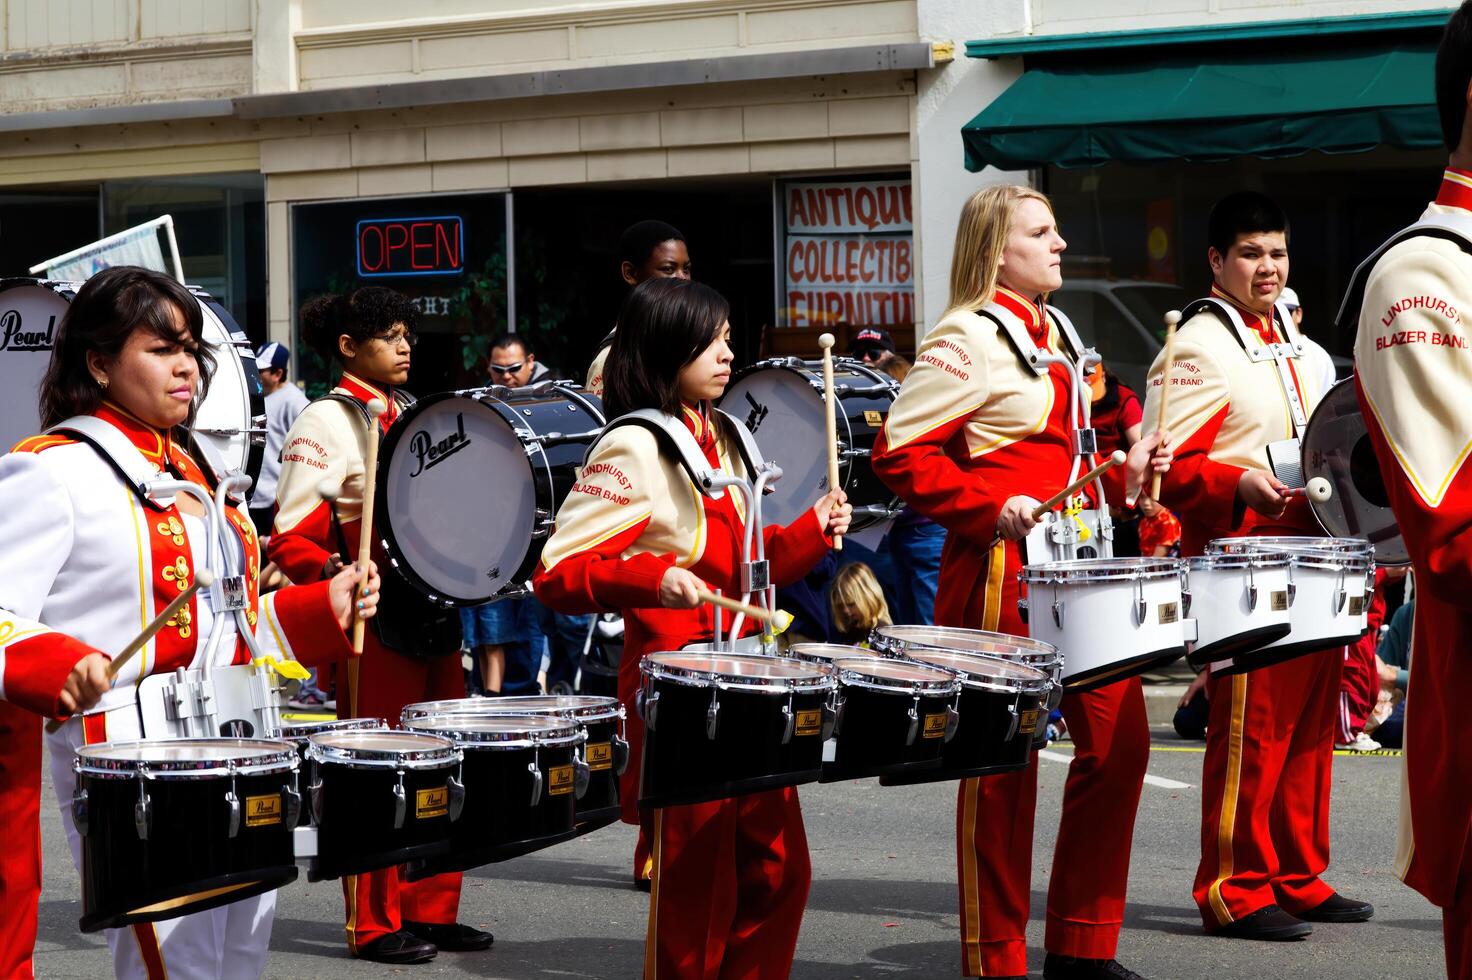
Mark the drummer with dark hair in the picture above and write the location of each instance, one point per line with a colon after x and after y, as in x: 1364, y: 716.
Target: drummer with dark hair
x: 370, y: 334
x: 90, y: 559
x: 647, y: 249
x: 1238, y: 401
x: 730, y: 878
x: 1413, y: 371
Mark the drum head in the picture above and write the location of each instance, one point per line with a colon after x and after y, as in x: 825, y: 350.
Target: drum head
x: 1336, y: 447
x: 899, y: 640
x: 187, y: 754
x: 306, y: 729
x: 230, y: 423
x: 783, y: 411
x: 498, y: 728
x: 457, y: 498
x: 827, y: 653
x: 985, y: 671
x: 30, y: 312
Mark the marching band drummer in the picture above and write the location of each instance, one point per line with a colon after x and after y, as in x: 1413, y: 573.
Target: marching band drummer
x: 369, y: 334
x: 974, y: 439
x: 88, y: 562
x: 1270, y: 738
x: 730, y: 877
x: 647, y: 249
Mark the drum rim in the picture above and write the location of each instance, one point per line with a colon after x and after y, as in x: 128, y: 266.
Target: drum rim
x: 605, y: 708
x: 332, y: 725
x: 1040, y: 684
x: 653, y: 667
x: 797, y: 651
x: 1021, y: 643
x: 439, y: 754
x: 1358, y: 559
x: 946, y: 683
x: 534, y: 730
x: 1239, y: 559
x: 1083, y: 570
x: 274, y: 756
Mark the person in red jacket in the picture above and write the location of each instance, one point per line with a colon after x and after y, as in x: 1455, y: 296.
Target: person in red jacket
x: 975, y: 438
x: 730, y: 878
x: 370, y: 334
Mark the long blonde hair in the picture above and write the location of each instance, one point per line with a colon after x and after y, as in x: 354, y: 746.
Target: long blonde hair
x: 856, y: 586
x: 981, y: 234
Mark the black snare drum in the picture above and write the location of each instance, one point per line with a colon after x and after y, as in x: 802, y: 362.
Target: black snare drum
x: 893, y: 716
x: 300, y: 734
x: 522, y: 782
x: 605, y: 751
x: 448, y: 454
x: 177, y: 826
x: 1002, y: 704
x: 784, y: 396
x: 381, y: 799
x: 899, y: 641
x: 719, y: 725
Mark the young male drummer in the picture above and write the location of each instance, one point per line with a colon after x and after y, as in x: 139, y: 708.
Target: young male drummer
x: 1231, y: 410
x: 647, y: 249
x: 1413, y: 368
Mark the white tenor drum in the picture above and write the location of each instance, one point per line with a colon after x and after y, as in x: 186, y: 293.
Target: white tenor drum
x: 1112, y: 618
x: 1240, y: 602
x: 1331, y: 582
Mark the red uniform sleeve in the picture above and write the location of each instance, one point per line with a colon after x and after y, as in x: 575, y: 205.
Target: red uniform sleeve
x: 795, y: 548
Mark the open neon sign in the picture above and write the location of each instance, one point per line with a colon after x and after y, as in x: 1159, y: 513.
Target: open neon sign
x: 411, y: 246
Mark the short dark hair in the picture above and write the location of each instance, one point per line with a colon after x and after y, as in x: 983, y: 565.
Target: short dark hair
x: 1242, y: 213
x: 101, y: 318
x: 663, y: 325
x: 639, y: 239
x: 361, y: 314
x: 510, y: 338
x: 1454, y: 73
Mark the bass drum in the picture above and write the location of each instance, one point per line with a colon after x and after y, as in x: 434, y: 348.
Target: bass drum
x: 469, y: 483
x: 782, y: 398
x: 229, y: 425
x: 1336, y: 447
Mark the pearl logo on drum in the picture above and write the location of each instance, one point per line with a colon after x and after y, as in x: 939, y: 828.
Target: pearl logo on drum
x: 14, y: 338
x: 430, y: 453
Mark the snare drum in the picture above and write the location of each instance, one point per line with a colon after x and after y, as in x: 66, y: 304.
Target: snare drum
x: 1001, y: 707
x: 784, y: 396
x: 1113, y: 618
x: 719, y: 725
x: 229, y: 424
x: 182, y: 825
x: 898, y: 641
x: 300, y: 734
x: 523, y: 778
x: 381, y: 799
x: 825, y: 654
x: 892, y: 717
x: 1330, y: 584
x: 1239, y: 602
x: 604, y: 750
x: 448, y: 454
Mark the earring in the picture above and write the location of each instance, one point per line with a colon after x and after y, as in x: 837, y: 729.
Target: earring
x: 102, y: 383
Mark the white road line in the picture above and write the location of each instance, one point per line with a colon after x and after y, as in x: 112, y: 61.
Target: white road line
x: 1160, y: 781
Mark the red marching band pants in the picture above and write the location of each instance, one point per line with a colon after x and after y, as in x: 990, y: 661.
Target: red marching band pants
x: 20, y: 859
x: 994, y: 814
x: 380, y: 902
x: 1265, y: 788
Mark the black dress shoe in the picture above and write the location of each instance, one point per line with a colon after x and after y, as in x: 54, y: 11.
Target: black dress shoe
x: 1056, y: 967
x: 1337, y: 908
x: 452, y: 937
x: 643, y: 884
x: 1269, y: 923
x: 399, y: 948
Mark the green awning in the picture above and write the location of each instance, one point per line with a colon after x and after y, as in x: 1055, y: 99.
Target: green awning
x: 1211, y: 107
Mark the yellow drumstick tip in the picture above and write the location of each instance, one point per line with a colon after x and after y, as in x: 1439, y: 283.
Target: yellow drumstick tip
x: 781, y: 619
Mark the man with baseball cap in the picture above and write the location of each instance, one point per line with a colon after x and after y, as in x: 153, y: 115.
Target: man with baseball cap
x: 1314, y: 354
x: 870, y: 344
x: 284, y: 402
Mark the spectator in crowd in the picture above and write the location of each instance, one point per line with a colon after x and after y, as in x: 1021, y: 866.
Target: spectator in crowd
x: 1393, y: 664
x: 806, y: 600
x: 858, y: 604
x: 870, y: 344
x: 1359, y: 684
x: 513, y: 363
x: 284, y: 402
x: 1321, y: 365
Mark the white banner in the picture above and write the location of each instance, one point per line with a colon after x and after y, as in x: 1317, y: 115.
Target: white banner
x: 136, y: 246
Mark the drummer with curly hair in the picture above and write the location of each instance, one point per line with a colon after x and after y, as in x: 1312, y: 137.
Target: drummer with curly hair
x: 730, y: 878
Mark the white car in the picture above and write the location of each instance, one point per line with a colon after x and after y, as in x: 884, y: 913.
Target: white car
x: 1123, y: 318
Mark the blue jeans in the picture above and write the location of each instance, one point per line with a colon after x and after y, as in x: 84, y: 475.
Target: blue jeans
x: 514, y: 626
x: 914, y: 549
x: 565, y: 637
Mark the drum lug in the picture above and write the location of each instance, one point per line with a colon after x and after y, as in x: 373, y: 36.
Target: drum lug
x: 646, y: 702
x: 143, y: 809
x: 401, y: 802
x: 833, y: 716
x: 789, y: 721
x: 457, y: 796
x: 79, y: 811
x: 1186, y: 601
x: 582, y: 775
x: 1022, y: 609
x: 914, y: 721
x: 1341, y: 594
x: 953, y: 722
x: 232, y: 798
x: 536, y: 773
x: 1251, y: 586
x: 1141, y: 609
x: 1014, y: 724
x: 1058, y: 613
x: 713, y: 715
x: 314, y: 791
x: 620, y: 755
x: 291, y: 804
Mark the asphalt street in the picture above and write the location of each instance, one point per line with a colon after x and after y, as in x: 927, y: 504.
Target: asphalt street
x: 883, y: 902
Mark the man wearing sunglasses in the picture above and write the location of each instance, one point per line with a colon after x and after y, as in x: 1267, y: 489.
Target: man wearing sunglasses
x: 870, y: 344
x: 513, y: 363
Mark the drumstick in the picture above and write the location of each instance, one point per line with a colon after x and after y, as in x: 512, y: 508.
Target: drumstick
x: 1317, y: 490
x: 203, y: 579
x: 1172, y: 318
x: 830, y: 418
x: 780, y: 619
x: 1115, y: 459
x: 365, y: 524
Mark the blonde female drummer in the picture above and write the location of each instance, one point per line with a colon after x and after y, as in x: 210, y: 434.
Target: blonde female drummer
x: 973, y: 441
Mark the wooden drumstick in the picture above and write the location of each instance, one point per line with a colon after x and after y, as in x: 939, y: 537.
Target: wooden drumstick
x: 1116, y: 458
x: 780, y: 619
x: 375, y: 408
x: 203, y: 579
x: 1172, y: 318
x: 830, y: 418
